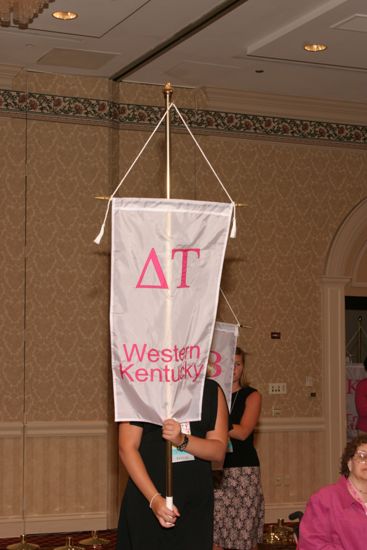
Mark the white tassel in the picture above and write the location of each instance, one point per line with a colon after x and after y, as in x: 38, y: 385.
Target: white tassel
x: 234, y: 225
x: 98, y: 239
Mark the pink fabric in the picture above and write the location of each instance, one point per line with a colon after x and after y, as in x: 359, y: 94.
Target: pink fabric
x: 333, y: 520
x: 361, y: 405
x: 356, y: 495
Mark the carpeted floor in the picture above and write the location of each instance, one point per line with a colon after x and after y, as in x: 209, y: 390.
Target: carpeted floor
x: 277, y: 547
x: 53, y: 540
x: 49, y: 541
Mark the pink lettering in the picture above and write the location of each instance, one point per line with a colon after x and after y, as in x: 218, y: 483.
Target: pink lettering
x: 134, y: 349
x: 153, y: 371
x: 153, y: 355
x: 166, y: 354
x: 185, y: 253
x: 141, y: 352
x: 158, y: 269
x: 165, y: 374
x: 351, y: 386
x: 123, y: 371
x: 216, y: 368
x: 141, y: 375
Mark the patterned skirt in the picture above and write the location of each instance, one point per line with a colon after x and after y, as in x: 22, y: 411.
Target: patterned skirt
x: 239, y: 509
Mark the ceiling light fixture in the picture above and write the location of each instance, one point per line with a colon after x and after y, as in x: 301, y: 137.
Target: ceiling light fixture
x: 65, y: 15
x: 20, y: 13
x: 312, y: 47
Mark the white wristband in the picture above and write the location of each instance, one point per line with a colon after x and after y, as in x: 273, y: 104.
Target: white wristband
x: 153, y: 497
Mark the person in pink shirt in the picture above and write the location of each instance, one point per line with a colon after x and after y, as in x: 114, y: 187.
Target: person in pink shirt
x: 361, y: 403
x: 336, y: 516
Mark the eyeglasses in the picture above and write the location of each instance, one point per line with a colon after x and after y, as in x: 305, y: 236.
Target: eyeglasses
x: 361, y: 456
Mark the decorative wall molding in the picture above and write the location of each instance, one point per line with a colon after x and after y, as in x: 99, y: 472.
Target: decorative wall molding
x: 333, y: 285
x: 359, y: 275
x: 11, y: 527
x: 98, y: 428
x: 291, y: 424
x: 66, y: 429
x: 236, y: 124
x: 333, y: 360
x: 351, y: 230
x: 11, y: 429
x: 307, y: 108
x: 15, y: 526
x: 7, y: 74
x: 65, y: 523
x: 273, y: 512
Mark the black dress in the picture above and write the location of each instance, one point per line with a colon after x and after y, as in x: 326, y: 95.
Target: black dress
x: 138, y: 527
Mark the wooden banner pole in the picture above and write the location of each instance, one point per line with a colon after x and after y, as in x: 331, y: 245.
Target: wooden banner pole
x: 167, y: 91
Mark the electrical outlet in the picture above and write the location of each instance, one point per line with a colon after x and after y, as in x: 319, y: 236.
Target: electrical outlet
x: 278, y: 388
x: 278, y: 481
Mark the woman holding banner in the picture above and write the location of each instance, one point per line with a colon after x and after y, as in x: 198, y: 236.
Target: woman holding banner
x: 145, y: 520
x: 239, y: 501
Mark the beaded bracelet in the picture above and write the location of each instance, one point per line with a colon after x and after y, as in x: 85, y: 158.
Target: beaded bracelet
x: 183, y: 444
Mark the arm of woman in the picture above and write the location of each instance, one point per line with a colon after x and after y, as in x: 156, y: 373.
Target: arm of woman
x: 249, y: 418
x: 316, y: 530
x: 129, y: 442
x: 213, y: 446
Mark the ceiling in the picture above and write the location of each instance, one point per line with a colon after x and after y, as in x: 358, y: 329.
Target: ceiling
x: 248, y: 45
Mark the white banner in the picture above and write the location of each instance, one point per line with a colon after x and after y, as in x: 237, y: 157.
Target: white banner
x: 221, y: 357
x: 166, y: 265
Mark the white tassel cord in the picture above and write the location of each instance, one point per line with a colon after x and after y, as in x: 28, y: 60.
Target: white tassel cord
x: 230, y: 307
x: 234, y: 223
x: 98, y: 239
x: 233, y: 313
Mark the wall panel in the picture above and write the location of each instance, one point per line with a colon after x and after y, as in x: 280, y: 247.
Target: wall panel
x: 11, y: 478
x: 66, y: 475
x: 291, y: 454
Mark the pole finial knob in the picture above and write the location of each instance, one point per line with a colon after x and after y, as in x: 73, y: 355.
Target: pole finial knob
x: 168, y: 88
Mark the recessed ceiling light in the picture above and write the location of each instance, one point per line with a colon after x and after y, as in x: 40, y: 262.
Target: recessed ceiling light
x: 65, y: 15
x: 315, y: 47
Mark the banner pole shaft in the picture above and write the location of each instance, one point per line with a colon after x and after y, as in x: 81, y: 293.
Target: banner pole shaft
x: 168, y: 95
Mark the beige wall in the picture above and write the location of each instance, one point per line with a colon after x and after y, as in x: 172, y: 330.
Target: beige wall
x: 58, y: 439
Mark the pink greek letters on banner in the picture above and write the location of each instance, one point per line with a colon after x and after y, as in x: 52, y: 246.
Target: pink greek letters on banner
x: 159, y: 271
x: 221, y: 357
x: 166, y: 263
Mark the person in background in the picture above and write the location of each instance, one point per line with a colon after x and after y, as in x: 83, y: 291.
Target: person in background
x: 336, y: 515
x: 146, y: 523
x: 238, y: 497
x: 360, y: 398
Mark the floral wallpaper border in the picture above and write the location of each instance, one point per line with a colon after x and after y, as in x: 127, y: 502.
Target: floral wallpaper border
x: 109, y: 112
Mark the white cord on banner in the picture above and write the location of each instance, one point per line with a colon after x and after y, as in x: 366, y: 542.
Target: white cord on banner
x: 230, y: 307
x: 98, y: 239
x: 234, y: 223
